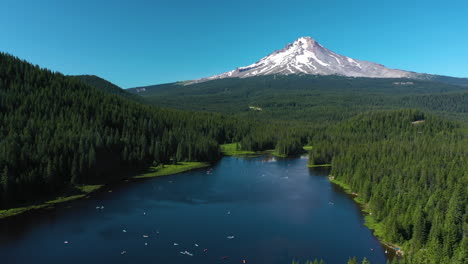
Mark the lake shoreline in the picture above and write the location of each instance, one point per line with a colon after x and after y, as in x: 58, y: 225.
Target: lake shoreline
x: 233, y: 149
x: 318, y: 165
x: 369, y: 220
x: 161, y: 205
x: 171, y: 169
x: 82, y: 191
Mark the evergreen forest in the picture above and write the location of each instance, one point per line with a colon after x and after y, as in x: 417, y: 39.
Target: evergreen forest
x: 402, y: 151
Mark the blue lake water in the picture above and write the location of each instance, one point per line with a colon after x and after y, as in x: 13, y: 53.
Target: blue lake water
x: 275, y: 210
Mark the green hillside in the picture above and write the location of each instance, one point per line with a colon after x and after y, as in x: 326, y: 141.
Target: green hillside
x: 58, y: 132
x: 409, y: 170
x: 108, y: 87
x: 303, y: 97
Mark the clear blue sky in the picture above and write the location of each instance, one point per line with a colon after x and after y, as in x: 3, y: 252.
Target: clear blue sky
x: 135, y: 43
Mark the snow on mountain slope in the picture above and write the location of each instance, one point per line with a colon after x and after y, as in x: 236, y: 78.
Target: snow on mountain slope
x: 307, y: 56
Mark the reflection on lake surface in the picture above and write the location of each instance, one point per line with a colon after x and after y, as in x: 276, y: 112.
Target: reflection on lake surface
x: 262, y: 210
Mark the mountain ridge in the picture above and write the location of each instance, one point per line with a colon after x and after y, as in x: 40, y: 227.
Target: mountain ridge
x: 307, y: 56
x: 305, y: 97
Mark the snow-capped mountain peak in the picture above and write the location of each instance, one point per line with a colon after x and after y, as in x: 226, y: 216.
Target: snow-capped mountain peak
x: 307, y: 56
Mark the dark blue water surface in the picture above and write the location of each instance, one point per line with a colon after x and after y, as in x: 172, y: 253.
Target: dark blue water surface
x: 277, y: 211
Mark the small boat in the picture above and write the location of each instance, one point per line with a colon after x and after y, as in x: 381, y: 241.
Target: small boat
x: 123, y: 252
x: 205, y: 250
x: 196, y: 245
x: 175, y: 244
x: 145, y: 236
x: 65, y: 242
x: 244, y: 261
x: 230, y: 237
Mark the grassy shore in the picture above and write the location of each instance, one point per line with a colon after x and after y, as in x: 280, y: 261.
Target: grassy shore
x: 307, y: 148
x: 369, y: 220
x: 276, y: 154
x: 318, y: 165
x: 233, y: 150
x: 81, y: 191
x: 172, y: 169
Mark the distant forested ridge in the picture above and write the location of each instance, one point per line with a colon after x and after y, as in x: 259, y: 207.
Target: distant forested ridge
x: 312, y: 98
x: 411, y: 169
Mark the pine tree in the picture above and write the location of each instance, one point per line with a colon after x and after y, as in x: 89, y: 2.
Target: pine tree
x: 179, y: 154
x: 91, y: 157
x: 74, y: 171
x: 49, y: 176
x: 419, y: 231
x: 453, y: 221
x: 5, y: 181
